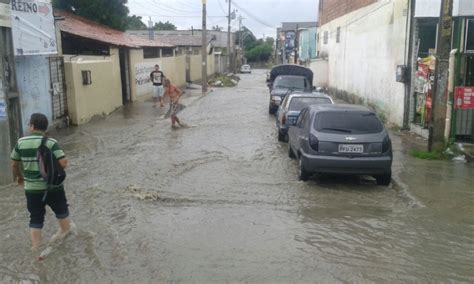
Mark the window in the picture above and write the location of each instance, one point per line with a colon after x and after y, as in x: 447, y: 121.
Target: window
x: 151, y: 52
x: 296, y: 83
x: 196, y: 51
x: 326, y: 37
x: 301, y: 119
x: 86, y: 77
x: 348, y: 122
x: 338, y: 35
x: 297, y: 104
x: 167, y: 52
x: 470, y: 36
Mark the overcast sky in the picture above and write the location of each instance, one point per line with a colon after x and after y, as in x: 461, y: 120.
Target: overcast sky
x: 262, y: 17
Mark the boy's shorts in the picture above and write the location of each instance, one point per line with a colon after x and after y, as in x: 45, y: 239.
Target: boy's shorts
x: 55, y: 199
x: 157, y: 91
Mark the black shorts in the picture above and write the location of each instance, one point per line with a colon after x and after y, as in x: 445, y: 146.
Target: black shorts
x: 55, y: 199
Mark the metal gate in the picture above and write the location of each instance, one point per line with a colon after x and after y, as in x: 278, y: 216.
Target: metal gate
x: 58, y: 88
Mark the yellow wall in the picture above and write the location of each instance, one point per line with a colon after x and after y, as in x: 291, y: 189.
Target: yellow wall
x: 103, y: 96
x: 140, y: 68
x: 196, y: 66
x: 173, y: 67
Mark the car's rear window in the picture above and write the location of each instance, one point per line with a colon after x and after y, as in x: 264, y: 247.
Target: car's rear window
x: 347, y: 122
x: 297, y: 104
x: 297, y: 83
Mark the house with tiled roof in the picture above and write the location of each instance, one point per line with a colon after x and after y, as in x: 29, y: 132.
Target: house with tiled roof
x: 106, y: 68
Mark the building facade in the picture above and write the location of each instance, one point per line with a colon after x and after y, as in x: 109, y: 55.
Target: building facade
x: 364, y: 41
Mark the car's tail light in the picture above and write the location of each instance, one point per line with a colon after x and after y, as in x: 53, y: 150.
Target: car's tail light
x: 386, y: 144
x: 283, y: 120
x: 314, y: 142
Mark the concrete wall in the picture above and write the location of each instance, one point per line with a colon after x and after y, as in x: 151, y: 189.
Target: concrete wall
x: 363, y: 63
x: 320, y: 72
x: 103, y: 96
x: 33, y: 86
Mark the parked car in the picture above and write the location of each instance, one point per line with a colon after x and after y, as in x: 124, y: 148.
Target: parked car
x: 245, y: 69
x: 285, y: 79
x: 341, y: 139
x: 290, y: 109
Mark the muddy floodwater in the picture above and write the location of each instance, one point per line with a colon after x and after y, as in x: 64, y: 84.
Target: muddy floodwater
x: 220, y: 202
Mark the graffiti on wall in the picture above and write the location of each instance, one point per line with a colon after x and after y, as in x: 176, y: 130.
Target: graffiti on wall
x: 142, y: 78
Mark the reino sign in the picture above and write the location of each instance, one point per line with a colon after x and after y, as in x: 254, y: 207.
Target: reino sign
x: 27, y: 7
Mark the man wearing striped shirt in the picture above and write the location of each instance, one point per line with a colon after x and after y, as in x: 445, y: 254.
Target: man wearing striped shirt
x: 26, y: 169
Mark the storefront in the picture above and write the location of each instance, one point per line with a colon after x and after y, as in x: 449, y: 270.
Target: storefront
x: 424, y: 44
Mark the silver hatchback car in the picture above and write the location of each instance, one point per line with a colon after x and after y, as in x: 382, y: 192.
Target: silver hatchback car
x: 341, y: 139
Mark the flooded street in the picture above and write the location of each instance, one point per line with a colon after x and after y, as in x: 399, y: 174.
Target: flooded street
x: 220, y: 201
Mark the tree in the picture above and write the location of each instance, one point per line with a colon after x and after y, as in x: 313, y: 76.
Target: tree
x: 135, y: 23
x: 270, y: 41
x: 112, y: 13
x: 249, y: 40
x: 261, y: 53
x: 166, y: 26
x: 217, y: 28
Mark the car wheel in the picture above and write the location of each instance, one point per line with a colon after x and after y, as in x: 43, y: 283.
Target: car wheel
x: 270, y: 110
x: 302, y: 173
x: 290, y: 152
x: 384, y: 179
x: 281, y: 137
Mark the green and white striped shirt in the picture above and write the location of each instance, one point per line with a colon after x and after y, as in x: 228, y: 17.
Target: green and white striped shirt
x: 25, y: 151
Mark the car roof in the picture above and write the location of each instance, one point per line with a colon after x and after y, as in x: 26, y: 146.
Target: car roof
x: 246, y: 65
x: 299, y: 94
x: 340, y: 107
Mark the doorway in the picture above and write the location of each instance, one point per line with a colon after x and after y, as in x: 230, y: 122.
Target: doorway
x: 124, y: 75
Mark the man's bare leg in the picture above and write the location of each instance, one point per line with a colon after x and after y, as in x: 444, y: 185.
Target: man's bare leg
x: 154, y: 101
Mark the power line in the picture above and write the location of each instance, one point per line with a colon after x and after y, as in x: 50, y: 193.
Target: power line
x: 255, y: 18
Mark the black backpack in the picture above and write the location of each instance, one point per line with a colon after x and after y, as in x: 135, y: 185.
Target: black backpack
x: 49, y: 168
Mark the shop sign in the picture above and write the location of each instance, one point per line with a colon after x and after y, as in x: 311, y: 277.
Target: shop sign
x: 464, y: 98
x: 33, y: 28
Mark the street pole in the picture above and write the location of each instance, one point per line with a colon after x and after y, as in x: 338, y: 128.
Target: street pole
x: 437, y: 125
x: 228, y: 37
x: 204, y: 49
x: 241, y: 51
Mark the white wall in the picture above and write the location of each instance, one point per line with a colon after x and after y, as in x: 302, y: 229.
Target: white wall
x: 320, y: 72
x: 372, y: 44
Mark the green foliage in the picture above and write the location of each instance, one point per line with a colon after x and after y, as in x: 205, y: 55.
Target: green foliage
x: 249, y: 40
x: 112, y: 13
x: 270, y: 41
x: 426, y: 155
x: 135, y: 23
x: 164, y: 26
x: 261, y: 52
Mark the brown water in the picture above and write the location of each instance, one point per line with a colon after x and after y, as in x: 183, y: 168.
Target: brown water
x: 230, y: 207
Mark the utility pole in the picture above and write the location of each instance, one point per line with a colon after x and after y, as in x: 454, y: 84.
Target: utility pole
x: 437, y: 125
x: 204, y: 49
x: 228, y: 37
x: 241, y: 50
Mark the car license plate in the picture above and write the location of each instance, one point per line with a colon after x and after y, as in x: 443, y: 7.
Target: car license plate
x: 351, y: 148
